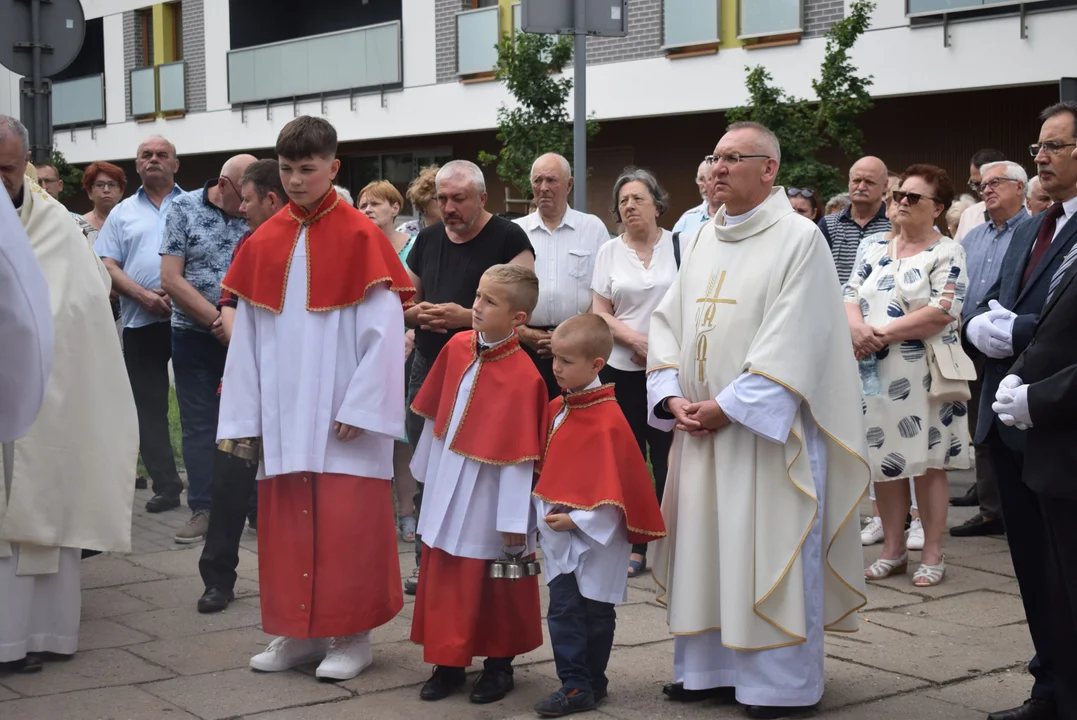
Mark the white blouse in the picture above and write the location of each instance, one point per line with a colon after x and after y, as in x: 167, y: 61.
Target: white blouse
x: 634, y: 290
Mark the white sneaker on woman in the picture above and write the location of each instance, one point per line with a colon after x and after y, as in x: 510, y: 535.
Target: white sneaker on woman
x: 285, y: 653
x: 915, y: 539
x: 347, y: 657
x: 872, y: 532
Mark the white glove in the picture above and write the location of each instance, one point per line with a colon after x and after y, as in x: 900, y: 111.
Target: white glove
x: 987, y: 338
x: 1001, y: 330
x: 1011, y: 403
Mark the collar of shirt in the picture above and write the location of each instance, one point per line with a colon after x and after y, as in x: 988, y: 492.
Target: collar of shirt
x: 847, y: 215
x: 534, y: 221
x: 172, y: 194
x: 484, y: 345
x: 1069, y: 209
x: 1020, y: 217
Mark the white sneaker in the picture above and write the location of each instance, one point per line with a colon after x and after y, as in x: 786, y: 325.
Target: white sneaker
x: 285, y: 653
x: 915, y: 538
x: 347, y: 657
x: 872, y: 532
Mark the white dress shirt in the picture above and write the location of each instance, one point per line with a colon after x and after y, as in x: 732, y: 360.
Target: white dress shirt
x: 564, y: 263
x: 1069, y: 209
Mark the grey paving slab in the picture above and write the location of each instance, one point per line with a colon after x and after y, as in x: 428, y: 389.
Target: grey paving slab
x: 109, y: 602
x: 111, y: 570
x: 981, y: 609
x: 7, y: 694
x: 172, y: 563
x: 86, y: 670
x: 881, y: 598
x: 395, y: 665
x: 180, y: 591
x: 186, y: 621
x: 205, y: 652
x: 988, y: 694
x: 906, y: 707
x: 998, y: 563
x: 119, y: 703
x: 96, y: 634
x: 848, y: 684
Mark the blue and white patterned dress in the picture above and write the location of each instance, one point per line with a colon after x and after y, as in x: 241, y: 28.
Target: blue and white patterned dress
x: 908, y: 431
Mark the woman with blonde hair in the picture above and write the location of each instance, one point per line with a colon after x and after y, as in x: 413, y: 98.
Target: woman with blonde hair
x: 423, y: 196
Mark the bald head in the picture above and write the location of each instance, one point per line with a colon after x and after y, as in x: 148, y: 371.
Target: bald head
x: 229, y: 182
x: 551, y: 182
x: 867, y: 185
x: 235, y: 166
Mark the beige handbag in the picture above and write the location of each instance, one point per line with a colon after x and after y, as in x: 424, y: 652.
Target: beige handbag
x: 951, y: 370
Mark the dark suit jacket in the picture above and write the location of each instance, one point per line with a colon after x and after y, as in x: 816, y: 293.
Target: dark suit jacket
x: 1027, y: 303
x: 1049, y: 366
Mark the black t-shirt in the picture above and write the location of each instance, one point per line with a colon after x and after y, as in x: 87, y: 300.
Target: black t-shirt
x: 450, y: 272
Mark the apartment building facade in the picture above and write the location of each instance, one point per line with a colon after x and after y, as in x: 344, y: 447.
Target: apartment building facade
x: 409, y: 82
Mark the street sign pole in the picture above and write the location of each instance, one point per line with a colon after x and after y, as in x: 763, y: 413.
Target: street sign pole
x: 579, y: 120
x: 40, y: 134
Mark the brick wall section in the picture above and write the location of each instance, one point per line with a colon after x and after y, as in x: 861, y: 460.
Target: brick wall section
x: 820, y: 16
x: 644, y: 38
x: 445, y: 36
x: 194, y: 54
x: 132, y: 54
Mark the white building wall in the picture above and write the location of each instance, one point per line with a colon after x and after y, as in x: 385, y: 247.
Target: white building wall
x: 115, y: 94
x: 218, y: 42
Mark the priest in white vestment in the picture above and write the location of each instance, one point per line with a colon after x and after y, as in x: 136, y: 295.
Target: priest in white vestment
x: 69, y: 482
x: 749, y: 360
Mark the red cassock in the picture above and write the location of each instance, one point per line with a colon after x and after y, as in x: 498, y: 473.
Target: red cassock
x: 460, y: 612
x: 328, y: 561
x: 592, y: 459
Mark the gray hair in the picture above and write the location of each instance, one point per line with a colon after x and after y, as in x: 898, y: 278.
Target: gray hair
x: 462, y: 167
x: 841, y: 200
x: 344, y: 194
x: 768, y: 136
x: 11, y: 126
x: 563, y: 164
x: 635, y: 174
x: 1012, y: 170
x: 1032, y: 185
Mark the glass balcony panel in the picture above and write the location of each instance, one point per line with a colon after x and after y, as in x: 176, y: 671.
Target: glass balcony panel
x: 79, y: 101
x: 762, y: 18
x: 517, y: 19
x: 937, y: 7
x: 172, y: 80
x: 144, y: 91
x: 477, y: 35
x: 352, y: 59
x: 691, y: 22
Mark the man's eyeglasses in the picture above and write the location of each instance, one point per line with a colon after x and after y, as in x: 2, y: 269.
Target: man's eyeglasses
x: 974, y: 186
x: 47, y: 181
x: 912, y: 197
x: 106, y: 186
x: 802, y: 192
x: 732, y: 158
x: 993, y: 183
x: 231, y: 185
x: 1049, y: 148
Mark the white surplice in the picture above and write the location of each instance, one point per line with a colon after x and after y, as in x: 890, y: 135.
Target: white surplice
x: 462, y: 496
x: 597, y: 551
x: 290, y: 376
x: 787, y: 676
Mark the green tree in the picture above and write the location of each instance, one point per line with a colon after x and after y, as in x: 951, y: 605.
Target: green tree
x: 804, y: 128
x: 531, y: 66
x: 70, y: 174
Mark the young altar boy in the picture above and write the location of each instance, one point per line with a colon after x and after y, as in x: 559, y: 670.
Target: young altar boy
x: 315, y: 371
x: 594, y: 499
x: 485, y: 409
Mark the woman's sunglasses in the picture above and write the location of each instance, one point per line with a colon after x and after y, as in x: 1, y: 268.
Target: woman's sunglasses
x: 912, y: 197
x: 802, y: 192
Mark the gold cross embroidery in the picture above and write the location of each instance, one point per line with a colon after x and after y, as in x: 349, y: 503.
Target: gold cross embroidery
x: 711, y: 303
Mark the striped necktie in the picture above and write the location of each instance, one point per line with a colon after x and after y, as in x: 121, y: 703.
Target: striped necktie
x: 1057, y: 277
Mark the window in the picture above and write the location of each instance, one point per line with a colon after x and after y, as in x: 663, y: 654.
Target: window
x: 769, y: 18
x: 398, y: 168
x: 691, y: 22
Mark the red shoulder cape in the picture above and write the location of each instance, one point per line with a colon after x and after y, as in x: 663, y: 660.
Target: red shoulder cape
x: 592, y: 459
x: 346, y: 256
x: 504, y: 421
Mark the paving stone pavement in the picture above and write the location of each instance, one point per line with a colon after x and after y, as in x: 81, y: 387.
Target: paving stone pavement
x: 953, y: 652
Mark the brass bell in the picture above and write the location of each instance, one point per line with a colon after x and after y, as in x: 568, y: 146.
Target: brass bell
x: 248, y: 449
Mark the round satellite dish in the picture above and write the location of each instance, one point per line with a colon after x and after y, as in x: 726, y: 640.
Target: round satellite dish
x: 62, y: 26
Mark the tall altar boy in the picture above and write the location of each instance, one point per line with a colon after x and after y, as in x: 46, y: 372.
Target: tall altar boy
x: 315, y: 369
x: 485, y: 408
x: 594, y: 499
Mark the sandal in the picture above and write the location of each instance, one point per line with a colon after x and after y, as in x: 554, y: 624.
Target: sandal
x: 637, y: 567
x: 929, y: 575
x: 406, y: 528
x: 883, y: 568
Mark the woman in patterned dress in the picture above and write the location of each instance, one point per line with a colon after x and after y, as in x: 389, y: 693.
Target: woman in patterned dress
x: 909, y: 290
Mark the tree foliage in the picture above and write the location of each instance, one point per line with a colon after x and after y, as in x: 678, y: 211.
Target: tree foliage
x: 804, y: 128
x: 531, y: 66
x: 70, y: 174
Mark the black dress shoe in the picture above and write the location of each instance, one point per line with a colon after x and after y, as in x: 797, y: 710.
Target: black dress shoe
x: 969, y: 499
x: 140, y: 482
x: 160, y: 503
x: 215, y: 600
x: 979, y: 525
x: 768, y: 712
x: 677, y: 693
x: 443, y: 683
x: 1034, y: 709
x: 491, y: 686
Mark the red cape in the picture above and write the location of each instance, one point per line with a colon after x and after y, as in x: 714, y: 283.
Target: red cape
x: 592, y: 459
x: 504, y: 420
x: 346, y: 256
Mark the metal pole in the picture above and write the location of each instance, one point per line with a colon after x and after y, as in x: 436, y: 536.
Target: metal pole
x: 38, y: 131
x: 579, y: 120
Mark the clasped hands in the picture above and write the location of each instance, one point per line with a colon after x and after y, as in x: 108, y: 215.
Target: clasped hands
x: 1011, y: 403
x: 443, y: 317
x: 867, y: 340
x: 537, y: 340
x: 992, y: 332
x: 697, y: 419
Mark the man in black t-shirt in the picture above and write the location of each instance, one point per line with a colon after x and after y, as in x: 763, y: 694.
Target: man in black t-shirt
x: 445, y: 264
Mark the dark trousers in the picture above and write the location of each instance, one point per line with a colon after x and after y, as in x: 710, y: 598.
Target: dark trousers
x: 986, y: 482
x: 631, y: 391
x: 581, y: 632
x: 545, y: 367
x: 146, y: 352
x: 235, y: 498
x: 198, y: 363
x: 1028, y: 551
x: 420, y: 367
x: 1061, y: 535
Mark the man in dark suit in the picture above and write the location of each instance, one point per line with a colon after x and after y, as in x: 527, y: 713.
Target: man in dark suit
x: 1000, y: 329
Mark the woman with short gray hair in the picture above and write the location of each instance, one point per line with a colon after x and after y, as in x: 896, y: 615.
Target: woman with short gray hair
x: 631, y: 276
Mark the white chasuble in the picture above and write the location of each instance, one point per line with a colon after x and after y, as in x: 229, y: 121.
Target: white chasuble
x: 761, y: 297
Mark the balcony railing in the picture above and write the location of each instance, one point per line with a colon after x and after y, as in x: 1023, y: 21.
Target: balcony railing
x: 767, y: 18
x: 918, y: 8
x: 144, y: 91
x: 78, y: 102
x: 477, y: 34
x: 366, y: 57
x: 159, y: 89
x: 691, y: 22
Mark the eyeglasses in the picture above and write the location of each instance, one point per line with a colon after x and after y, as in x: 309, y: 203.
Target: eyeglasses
x: 231, y: 185
x: 912, y: 197
x: 732, y: 158
x: 106, y: 185
x: 974, y: 186
x: 1049, y: 148
x: 802, y: 192
x: 48, y: 181
x: 993, y: 183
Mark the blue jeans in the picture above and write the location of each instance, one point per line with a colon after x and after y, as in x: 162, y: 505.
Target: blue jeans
x: 198, y: 364
x: 581, y: 632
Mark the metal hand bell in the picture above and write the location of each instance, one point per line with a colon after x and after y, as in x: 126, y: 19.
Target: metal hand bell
x: 514, y: 567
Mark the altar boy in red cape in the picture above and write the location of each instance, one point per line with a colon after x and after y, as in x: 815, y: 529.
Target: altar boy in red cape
x: 594, y: 499
x: 485, y: 409
x: 315, y: 369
